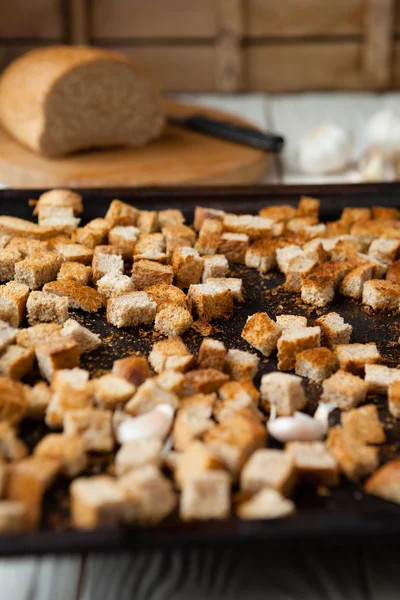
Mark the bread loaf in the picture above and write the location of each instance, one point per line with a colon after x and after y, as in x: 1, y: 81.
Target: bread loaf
x: 60, y: 99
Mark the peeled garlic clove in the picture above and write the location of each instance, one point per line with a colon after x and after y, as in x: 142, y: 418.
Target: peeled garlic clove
x: 322, y: 413
x: 327, y: 149
x: 383, y: 130
x: 299, y: 428
x: 155, y: 423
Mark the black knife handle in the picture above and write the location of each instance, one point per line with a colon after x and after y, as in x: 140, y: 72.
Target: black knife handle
x: 236, y: 133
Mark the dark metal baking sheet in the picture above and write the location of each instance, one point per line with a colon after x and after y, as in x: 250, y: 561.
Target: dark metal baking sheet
x: 344, y: 513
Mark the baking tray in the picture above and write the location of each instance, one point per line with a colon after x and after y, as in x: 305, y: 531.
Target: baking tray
x: 345, y: 513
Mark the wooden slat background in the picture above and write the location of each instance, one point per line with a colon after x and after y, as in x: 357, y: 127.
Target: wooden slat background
x: 224, y: 45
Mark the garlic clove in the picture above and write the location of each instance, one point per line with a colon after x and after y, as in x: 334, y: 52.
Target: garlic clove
x: 377, y: 166
x: 327, y: 149
x: 298, y: 428
x: 155, y: 423
x: 383, y: 130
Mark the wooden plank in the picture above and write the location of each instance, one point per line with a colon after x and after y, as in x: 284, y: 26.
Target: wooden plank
x: 306, y: 66
x: 78, y: 32
x: 377, y: 53
x: 31, y: 19
x: 228, y: 47
x: 143, y: 19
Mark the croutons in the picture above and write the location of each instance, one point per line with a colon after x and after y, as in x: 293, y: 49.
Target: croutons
x: 334, y: 330
x: 59, y: 353
x: 206, y: 495
x: 394, y: 399
x: 150, y: 247
x: 16, y: 361
x: 318, y: 288
x: 107, y: 259
x: 60, y: 218
x: 12, y: 517
x: 8, y: 335
x: 393, y: 272
x: 203, y: 381
x: 309, y: 206
x: 269, y: 468
x: 121, y: 213
x: 79, y: 296
x: 98, y: 500
x: 11, y: 449
x: 178, y: 236
x: 71, y: 390
x: 254, y: 226
x: 283, y: 391
x: 193, y: 419
x: 13, y: 298
x: 234, y: 246
x: 68, y: 449
x: 291, y: 322
x: 266, y: 504
x: 166, y: 295
x: 170, y: 354
x: 13, y: 405
x: 132, y: 368
x: 234, y: 284
x: 314, y: 463
x: 384, y: 483
x: 202, y: 213
x: 353, y: 284
x: 75, y: 271
x: 209, y: 302
x: 173, y: 320
x: 43, y: 307
x: 136, y: 454
x: 93, y: 234
x: 114, y: 284
x: 8, y: 259
x: 355, y: 459
x: 38, y: 269
x: 381, y: 294
x: 197, y: 458
x: 146, y: 273
x: 147, y: 221
x: 285, y: 255
x: 209, y: 237
x: 215, y: 266
x: 212, y: 354
x: 148, y: 396
x: 344, y: 389
x: 124, y: 237
x: 170, y: 216
x: 87, y: 340
x: 261, y: 255
x: 384, y: 250
x: 363, y: 424
x: 41, y: 332
x: 131, y: 309
x: 240, y: 364
x: 37, y: 398
x: 60, y: 198
x: 93, y: 425
x: 316, y: 363
x: 262, y: 333
x: 354, y: 357
x: 111, y: 391
x: 379, y: 378
x: 293, y: 341
x: 75, y: 252
x: 187, y: 265
x: 298, y: 269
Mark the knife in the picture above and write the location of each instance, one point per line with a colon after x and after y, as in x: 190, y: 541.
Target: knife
x: 230, y: 132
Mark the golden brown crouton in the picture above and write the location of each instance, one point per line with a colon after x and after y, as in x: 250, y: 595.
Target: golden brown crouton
x: 197, y: 458
x: 314, y: 463
x: 283, y: 391
x: 136, y: 454
x: 124, y: 238
x: 134, y: 369
x: 93, y: 234
x: 111, y: 391
x: 173, y: 320
x: 344, y: 389
x: 37, y: 269
x: 43, y: 307
x: 355, y: 459
x: 146, y: 273
x: 121, y: 213
x: 59, y: 353
x: 69, y: 450
x: 240, y: 364
x: 11, y: 448
x: 209, y: 302
x: 209, y: 237
x: 75, y: 271
x: 13, y: 404
x: 187, y: 265
x: 37, y: 398
x: 266, y: 504
x: 363, y: 424
x: 384, y: 483
x: 293, y: 341
x: 93, y: 425
x: 148, y: 396
x: 79, y: 296
x: 204, y: 381
x: 202, y: 213
x: 13, y: 297
x: 354, y: 357
x: 212, y: 354
x: 131, y: 309
x: 178, y: 235
x: 170, y: 354
x: 206, y: 496
x: 316, y: 363
x: 193, y: 419
x: 234, y: 246
x: 334, y: 330
x: 41, y: 332
x: 269, y: 468
x: 87, y: 340
x: 16, y: 361
x: 262, y: 333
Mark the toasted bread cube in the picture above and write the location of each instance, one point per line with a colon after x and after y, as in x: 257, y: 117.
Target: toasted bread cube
x: 262, y: 333
x: 394, y: 399
x: 43, y: 307
x: 212, y: 354
x: 379, y: 378
x: 134, y: 369
x: 354, y: 357
x: 146, y: 273
x: 314, y: 463
x: 137, y: 454
x: 234, y: 440
x: 385, y: 213
x: 178, y: 236
x: 269, y: 468
x: 61, y: 218
x: 215, y: 266
x: 111, y: 391
x: 309, y: 206
x: 71, y: 390
x: 344, y: 389
x: 209, y: 302
x: 209, y: 237
x: 266, y: 504
x: 253, y: 226
x: 150, y: 247
x: 234, y: 397
x: 283, y: 391
x: 166, y: 295
x: 59, y: 353
x: 93, y: 425
x: 261, y: 255
x: 355, y: 459
x: 193, y: 419
x: 121, y: 213
x: 131, y: 309
x: 202, y: 213
x: 279, y: 212
x: 99, y: 500
x: 87, y: 340
x: 334, y: 330
x: 298, y: 269
x: 285, y: 255
x: 37, y: 269
x: 381, y: 294
x: 384, y: 250
x: 27, y: 482
x: 317, y: 290
x: 124, y: 237
x: 234, y: 246
x: 231, y: 389
x: 38, y: 399
x: 355, y: 215
x: 36, y: 334
x: 204, y: 381
x: 16, y: 361
x: 234, y: 284
x: 114, y: 284
x: 26, y: 246
x: 172, y: 381
x: 170, y: 354
x: 363, y: 424
x: 79, y: 296
x: 240, y: 364
x: 299, y: 224
x: 76, y: 253
x: 107, y: 259
x: 384, y: 483
x: 352, y: 285
x: 151, y: 492
x: 316, y: 363
x: 197, y: 458
x: 8, y: 335
x: 12, y: 517
x: 293, y: 341
x: 315, y: 249
x: 291, y: 322
x: 147, y: 221
x: 206, y: 496
x: 173, y: 320
x: 13, y: 297
x: 378, y: 268
x: 170, y: 216
x: 11, y: 448
x: 148, y: 396
x: 8, y: 259
x: 93, y: 234
x: 187, y: 265
x: 345, y: 249
x: 68, y: 449
x: 60, y: 198
x: 13, y: 403
x: 76, y: 272
x: 393, y: 272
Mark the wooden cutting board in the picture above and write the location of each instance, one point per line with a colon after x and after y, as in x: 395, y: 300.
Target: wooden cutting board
x: 180, y: 156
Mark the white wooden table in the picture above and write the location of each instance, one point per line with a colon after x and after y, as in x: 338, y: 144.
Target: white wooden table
x: 323, y: 573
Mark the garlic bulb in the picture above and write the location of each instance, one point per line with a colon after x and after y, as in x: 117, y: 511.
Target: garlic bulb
x: 383, y: 131
x: 327, y: 149
x: 155, y: 423
x: 301, y: 427
x: 377, y: 166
